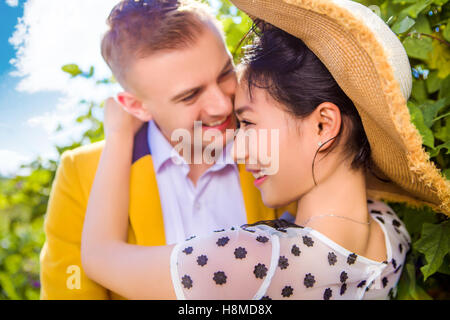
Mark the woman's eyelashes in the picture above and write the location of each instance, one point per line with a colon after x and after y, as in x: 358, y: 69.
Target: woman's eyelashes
x: 245, y: 123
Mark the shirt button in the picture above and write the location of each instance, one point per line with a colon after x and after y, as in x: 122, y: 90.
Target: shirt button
x: 197, y: 206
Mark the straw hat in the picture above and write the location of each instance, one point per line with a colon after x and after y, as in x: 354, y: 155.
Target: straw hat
x: 371, y: 66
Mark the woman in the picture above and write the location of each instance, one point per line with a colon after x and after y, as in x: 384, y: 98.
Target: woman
x: 336, y: 249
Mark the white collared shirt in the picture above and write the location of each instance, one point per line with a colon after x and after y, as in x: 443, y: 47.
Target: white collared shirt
x: 215, y: 203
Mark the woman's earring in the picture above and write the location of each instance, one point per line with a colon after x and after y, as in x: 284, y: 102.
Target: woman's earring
x: 319, y: 143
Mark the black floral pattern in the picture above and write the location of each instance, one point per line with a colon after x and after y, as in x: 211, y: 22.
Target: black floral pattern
x: 343, y: 276
x: 380, y: 219
x: 222, y: 241
x: 394, y: 263
x: 190, y: 238
x: 332, y: 258
x: 248, y: 230
x: 391, y: 293
x: 309, y: 280
x: 308, y: 241
x: 240, y: 253
x: 396, y: 223
x: 327, y: 294
x: 262, y: 239
x: 370, y: 285
x: 295, y: 250
x: 186, y: 281
x: 343, y: 289
x: 385, y: 282
x: 313, y: 281
x: 220, y: 277
x: 287, y: 291
x: 351, y: 258
x: 260, y: 271
x: 283, y: 262
x: 202, y: 260
x: 361, y: 284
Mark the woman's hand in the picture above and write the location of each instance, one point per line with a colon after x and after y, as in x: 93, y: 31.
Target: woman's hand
x: 118, y: 122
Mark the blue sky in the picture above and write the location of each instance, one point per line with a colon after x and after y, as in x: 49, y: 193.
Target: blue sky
x: 38, y: 37
x: 18, y: 141
x: 47, y: 34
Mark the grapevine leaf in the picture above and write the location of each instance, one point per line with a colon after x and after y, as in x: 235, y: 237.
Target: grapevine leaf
x: 434, y: 244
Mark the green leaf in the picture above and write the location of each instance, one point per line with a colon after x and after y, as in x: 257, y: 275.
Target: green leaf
x: 440, y: 2
x: 8, y: 286
x: 447, y: 173
x: 442, y: 116
x: 422, y: 25
x: 446, y: 33
x: 434, y: 244
x: 403, y: 1
x: 408, y: 289
x: 403, y: 25
x: 445, y: 267
x: 415, y: 218
x: 418, y: 48
x: 440, y: 59
x: 72, y: 69
x: 430, y: 109
x: 433, y: 82
x: 444, y: 145
x: 418, y: 120
x: 91, y: 72
x: 445, y: 88
x: 416, y: 8
x: 419, y: 90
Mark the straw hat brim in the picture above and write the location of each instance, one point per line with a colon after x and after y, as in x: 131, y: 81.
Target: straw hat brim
x: 365, y: 68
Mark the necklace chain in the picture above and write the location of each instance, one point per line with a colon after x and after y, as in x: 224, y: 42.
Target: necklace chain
x: 333, y: 215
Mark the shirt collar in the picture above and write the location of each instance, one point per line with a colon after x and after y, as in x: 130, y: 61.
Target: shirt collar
x: 161, y: 148
x: 162, y: 151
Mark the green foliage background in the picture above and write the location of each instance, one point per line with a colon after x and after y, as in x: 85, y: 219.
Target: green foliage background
x: 423, y: 27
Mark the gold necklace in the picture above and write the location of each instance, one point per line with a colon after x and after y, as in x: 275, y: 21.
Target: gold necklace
x: 333, y: 215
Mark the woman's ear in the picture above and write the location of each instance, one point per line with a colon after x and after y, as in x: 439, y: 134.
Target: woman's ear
x: 134, y: 106
x: 328, y: 117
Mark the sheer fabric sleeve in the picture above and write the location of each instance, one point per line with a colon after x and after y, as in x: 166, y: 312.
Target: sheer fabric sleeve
x: 234, y: 264
x: 267, y: 261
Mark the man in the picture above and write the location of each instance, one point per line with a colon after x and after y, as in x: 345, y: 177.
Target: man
x: 172, y: 62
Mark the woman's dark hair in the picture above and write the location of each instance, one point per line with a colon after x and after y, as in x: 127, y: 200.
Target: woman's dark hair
x: 295, y: 77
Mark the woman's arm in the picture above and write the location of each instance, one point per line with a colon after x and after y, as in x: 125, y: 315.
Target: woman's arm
x: 233, y: 264
x: 135, y: 272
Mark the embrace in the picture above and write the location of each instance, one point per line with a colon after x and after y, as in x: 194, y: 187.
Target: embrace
x: 274, y: 188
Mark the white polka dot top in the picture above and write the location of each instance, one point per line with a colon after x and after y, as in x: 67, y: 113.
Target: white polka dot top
x: 279, y: 260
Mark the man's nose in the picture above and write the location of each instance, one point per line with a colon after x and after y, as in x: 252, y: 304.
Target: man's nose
x: 219, y: 104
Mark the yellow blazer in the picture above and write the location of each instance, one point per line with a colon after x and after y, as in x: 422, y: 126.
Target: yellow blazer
x: 61, y: 274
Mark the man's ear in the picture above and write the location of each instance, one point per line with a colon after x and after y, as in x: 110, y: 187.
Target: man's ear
x: 134, y: 106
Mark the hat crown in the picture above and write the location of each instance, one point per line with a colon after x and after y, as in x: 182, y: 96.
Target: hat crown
x: 394, y: 50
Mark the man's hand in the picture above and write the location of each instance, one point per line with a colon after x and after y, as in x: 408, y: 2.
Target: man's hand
x: 119, y: 122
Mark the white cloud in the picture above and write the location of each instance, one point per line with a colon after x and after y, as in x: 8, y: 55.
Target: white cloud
x: 54, y: 33
x: 10, y: 162
x: 12, y: 3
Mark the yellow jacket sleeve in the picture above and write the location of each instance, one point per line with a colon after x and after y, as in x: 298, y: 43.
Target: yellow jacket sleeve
x: 61, y: 273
